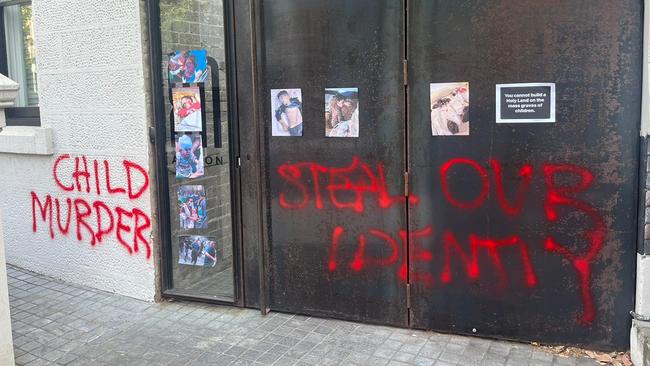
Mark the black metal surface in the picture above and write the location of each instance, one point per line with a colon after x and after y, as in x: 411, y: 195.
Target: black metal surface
x: 591, y: 49
x: 250, y: 156
x: 313, y: 45
x: 233, y: 140
x: 164, y: 261
x: 261, y: 151
x: 643, y: 243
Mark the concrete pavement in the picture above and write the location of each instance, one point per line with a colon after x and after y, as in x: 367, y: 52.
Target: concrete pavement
x: 56, y: 323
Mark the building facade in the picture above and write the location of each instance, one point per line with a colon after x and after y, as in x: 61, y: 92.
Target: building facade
x: 476, y: 167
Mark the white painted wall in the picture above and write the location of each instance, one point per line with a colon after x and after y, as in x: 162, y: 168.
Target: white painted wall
x: 6, y: 340
x: 92, y: 92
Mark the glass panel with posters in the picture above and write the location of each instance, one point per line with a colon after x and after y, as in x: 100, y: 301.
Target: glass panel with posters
x: 197, y: 148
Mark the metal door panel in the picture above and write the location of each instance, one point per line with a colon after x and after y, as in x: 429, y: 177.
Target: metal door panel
x: 314, y: 226
x: 550, y: 208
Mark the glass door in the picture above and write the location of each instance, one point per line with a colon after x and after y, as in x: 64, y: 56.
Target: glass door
x: 199, y: 254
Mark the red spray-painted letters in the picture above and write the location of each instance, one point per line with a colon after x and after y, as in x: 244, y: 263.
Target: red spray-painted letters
x: 306, y: 183
x: 94, y: 220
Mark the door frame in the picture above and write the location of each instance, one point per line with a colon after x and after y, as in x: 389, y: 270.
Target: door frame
x: 159, y: 138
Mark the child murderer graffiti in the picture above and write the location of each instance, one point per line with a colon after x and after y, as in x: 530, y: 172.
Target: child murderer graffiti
x: 94, y: 220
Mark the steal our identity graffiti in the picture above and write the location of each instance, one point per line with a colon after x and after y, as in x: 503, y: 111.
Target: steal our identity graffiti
x: 313, y: 185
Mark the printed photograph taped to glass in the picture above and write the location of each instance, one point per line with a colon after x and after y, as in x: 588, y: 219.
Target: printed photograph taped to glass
x: 196, y: 250
x: 450, y: 109
x: 192, y: 207
x: 286, y: 112
x: 188, y: 66
x: 189, y: 155
x: 187, y: 109
x: 342, y: 112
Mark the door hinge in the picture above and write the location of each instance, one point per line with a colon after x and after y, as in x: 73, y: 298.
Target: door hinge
x: 408, y: 295
x: 152, y: 135
x: 405, y: 71
x: 406, y: 184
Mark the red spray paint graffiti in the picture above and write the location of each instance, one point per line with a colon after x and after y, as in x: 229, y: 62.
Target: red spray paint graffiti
x: 95, y: 219
x: 307, y: 180
x: 356, y: 179
x: 564, y: 195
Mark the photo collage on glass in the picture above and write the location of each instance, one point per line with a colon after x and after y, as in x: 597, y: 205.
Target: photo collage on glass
x: 187, y: 74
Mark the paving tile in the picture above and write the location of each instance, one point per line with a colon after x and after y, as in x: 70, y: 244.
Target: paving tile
x: 374, y: 360
x: 542, y: 356
x: 67, y: 359
x: 450, y: 356
x: 385, y: 352
x: 564, y: 361
x: 24, y: 359
x: 445, y: 363
x: 539, y: 363
x: 491, y: 363
x: 397, y: 363
x: 586, y: 362
x: 431, y: 350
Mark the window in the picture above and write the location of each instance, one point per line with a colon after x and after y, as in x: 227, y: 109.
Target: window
x: 18, y: 61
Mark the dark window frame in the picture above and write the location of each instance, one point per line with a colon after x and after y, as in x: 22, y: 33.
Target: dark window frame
x: 15, y: 116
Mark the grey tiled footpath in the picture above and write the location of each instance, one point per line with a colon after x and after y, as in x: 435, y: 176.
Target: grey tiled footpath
x: 55, y: 323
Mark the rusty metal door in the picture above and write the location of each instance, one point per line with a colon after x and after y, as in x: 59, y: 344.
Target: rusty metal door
x: 335, y: 204
x: 526, y: 231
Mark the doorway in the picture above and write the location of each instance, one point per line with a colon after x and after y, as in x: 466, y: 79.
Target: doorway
x: 197, y: 148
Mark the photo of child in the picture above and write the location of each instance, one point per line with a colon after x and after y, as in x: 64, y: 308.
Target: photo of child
x: 189, y: 155
x: 450, y: 109
x: 286, y: 112
x: 197, y: 250
x: 192, y: 207
x: 342, y: 112
x: 187, y: 109
x: 188, y: 66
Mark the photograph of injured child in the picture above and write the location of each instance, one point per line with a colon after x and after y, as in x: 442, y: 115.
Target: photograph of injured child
x: 189, y: 155
x: 187, y: 109
x: 450, y: 109
x: 342, y: 112
x: 286, y: 112
x: 188, y: 66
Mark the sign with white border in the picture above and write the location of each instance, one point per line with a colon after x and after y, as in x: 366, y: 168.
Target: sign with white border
x: 525, y: 103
